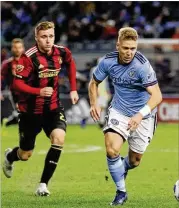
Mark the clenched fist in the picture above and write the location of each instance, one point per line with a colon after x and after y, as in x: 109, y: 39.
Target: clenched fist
x: 74, y: 97
x: 46, y: 92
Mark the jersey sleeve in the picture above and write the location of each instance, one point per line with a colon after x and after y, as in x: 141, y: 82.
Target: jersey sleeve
x: 24, y: 68
x: 71, y: 68
x: 100, y: 73
x: 68, y: 56
x: 148, y: 76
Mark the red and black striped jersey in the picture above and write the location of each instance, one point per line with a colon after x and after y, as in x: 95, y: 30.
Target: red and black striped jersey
x: 37, y: 70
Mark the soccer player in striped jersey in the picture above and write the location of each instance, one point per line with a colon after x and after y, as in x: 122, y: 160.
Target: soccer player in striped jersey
x: 8, y: 71
x: 37, y: 79
x: 132, y: 114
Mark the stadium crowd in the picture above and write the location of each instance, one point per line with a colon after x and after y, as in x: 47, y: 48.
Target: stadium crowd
x: 91, y: 21
x: 88, y: 20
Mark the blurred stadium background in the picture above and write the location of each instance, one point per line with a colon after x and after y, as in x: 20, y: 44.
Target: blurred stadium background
x: 89, y: 30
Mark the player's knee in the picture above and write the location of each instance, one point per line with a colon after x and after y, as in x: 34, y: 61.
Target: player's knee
x: 25, y: 156
x: 111, y: 152
x: 58, y: 137
x: 58, y: 140
x: 135, y: 162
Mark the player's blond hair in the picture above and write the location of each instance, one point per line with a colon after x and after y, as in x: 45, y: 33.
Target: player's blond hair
x: 17, y: 40
x: 44, y: 26
x: 127, y: 33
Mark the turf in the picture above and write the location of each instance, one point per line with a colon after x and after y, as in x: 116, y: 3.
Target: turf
x: 79, y: 180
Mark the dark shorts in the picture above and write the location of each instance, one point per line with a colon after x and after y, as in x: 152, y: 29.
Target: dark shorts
x: 31, y: 124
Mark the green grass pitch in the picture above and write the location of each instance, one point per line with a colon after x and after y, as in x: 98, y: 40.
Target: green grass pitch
x: 79, y: 180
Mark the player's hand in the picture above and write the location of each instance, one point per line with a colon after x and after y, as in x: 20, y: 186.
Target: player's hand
x: 134, y: 122
x: 95, y: 112
x: 74, y: 97
x: 46, y: 92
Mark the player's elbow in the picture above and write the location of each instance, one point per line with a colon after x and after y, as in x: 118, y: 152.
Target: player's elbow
x: 93, y: 84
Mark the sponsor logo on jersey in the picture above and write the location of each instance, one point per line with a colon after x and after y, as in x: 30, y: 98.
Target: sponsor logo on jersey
x: 123, y: 81
x: 48, y: 73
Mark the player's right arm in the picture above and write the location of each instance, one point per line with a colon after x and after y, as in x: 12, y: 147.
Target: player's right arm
x: 100, y: 73
x: 93, y: 91
x: 24, y: 69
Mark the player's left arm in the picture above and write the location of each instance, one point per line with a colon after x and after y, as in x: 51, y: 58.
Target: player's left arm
x: 156, y: 96
x: 149, y: 81
x: 71, y: 69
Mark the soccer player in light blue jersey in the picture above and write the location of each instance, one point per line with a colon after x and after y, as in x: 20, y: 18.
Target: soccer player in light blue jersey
x: 132, y: 114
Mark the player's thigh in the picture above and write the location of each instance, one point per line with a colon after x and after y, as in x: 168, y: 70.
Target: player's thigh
x: 55, y: 124
x: 117, y: 122
x: 113, y: 141
x: 141, y: 138
x: 29, y: 127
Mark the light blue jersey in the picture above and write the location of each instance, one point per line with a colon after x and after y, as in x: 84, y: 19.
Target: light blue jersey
x: 130, y: 81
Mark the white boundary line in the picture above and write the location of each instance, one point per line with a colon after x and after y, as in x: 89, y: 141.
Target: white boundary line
x: 74, y: 148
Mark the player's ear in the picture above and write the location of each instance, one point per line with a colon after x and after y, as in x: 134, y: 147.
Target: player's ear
x: 117, y: 46
x: 36, y: 38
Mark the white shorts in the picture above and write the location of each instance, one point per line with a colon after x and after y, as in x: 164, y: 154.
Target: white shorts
x: 139, y: 139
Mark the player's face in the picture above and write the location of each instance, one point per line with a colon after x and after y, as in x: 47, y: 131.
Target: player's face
x: 17, y: 49
x: 127, y: 50
x: 45, y: 40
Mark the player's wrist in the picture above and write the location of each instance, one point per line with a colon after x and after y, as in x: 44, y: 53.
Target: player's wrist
x: 93, y: 104
x: 73, y: 89
x: 145, y: 110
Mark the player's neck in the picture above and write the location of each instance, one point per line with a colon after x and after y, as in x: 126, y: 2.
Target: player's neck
x: 45, y: 52
x: 120, y: 61
x: 17, y: 57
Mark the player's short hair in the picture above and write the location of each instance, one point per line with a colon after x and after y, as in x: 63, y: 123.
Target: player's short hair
x: 44, y: 26
x: 127, y: 33
x: 17, y: 40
